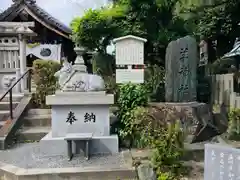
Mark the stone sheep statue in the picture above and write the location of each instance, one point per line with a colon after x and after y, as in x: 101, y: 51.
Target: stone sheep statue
x: 72, y: 79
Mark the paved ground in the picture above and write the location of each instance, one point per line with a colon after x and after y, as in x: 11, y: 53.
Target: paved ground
x: 31, y: 156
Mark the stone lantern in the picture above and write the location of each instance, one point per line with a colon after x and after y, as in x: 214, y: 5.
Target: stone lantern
x: 79, y: 62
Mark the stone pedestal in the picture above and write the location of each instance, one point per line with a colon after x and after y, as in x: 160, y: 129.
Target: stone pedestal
x: 196, y: 120
x: 81, y: 112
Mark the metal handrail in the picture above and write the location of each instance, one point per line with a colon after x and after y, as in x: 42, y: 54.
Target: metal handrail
x: 11, y: 88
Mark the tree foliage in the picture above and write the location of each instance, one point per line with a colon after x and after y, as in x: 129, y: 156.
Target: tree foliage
x: 154, y: 20
x: 46, y: 82
x: 96, y: 27
x: 218, y: 21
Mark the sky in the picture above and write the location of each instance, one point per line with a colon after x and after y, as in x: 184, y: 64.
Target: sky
x: 64, y: 11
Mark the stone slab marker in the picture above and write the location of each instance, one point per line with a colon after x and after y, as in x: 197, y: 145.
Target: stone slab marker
x: 221, y: 163
x: 181, y: 70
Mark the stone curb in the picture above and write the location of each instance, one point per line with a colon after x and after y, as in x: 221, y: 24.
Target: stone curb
x: 96, y: 173
x: 38, y: 112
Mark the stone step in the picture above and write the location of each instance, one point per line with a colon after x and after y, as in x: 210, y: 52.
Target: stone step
x: 39, y: 112
x: 2, y: 123
x: 4, y: 114
x: 6, y: 105
x: 37, y: 120
x: 33, y: 133
x: 15, y: 97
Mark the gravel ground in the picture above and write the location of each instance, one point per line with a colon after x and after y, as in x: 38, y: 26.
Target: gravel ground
x: 31, y: 156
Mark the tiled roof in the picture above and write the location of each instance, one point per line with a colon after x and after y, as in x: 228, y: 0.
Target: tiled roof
x: 39, y: 12
x: 234, y: 52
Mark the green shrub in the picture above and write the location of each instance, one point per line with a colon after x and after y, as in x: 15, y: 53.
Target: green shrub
x: 43, y: 75
x: 234, y: 123
x: 103, y: 64
x: 154, y: 82
x: 154, y: 127
x: 130, y: 96
x: 138, y: 119
x: 168, y: 149
x: 144, y: 125
x: 165, y: 176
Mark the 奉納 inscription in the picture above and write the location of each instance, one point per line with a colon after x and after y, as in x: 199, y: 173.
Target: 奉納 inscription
x: 71, y: 118
x: 89, y: 117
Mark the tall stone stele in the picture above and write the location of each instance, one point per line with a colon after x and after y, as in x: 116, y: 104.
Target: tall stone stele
x: 181, y: 70
x: 81, y: 106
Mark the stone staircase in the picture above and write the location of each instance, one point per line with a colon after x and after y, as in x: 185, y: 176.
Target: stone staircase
x: 5, y: 109
x: 36, y: 124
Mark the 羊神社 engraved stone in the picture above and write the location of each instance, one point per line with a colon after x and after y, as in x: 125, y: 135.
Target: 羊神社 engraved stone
x: 181, y: 70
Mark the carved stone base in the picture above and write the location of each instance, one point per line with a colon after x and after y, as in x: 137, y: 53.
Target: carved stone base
x: 82, y: 113
x: 197, y: 120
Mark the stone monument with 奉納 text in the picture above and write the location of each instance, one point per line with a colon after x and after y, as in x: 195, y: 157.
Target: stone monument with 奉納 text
x: 81, y: 106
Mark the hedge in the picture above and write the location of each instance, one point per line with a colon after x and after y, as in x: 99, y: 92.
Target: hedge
x: 46, y: 83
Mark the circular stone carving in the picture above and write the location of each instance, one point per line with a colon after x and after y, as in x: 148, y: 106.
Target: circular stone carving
x: 7, y: 81
x: 5, y: 40
x: 45, y: 52
x: 14, y: 40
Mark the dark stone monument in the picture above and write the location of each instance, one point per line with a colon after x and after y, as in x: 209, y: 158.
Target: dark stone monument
x: 181, y: 70
x: 201, y: 124
x: 221, y: 163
